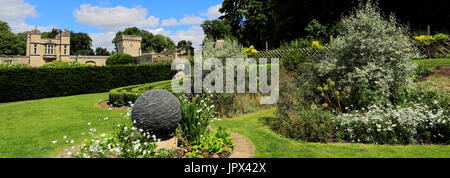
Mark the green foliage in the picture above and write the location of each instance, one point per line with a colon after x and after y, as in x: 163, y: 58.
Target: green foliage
x: 34, y: 83
x: 123, y: 96
x: 120, y: 59
x: 293, y: 60
x: 187, y: 45
x: 63, y: 64
x: 80, y: 44
x: 305, y: 124
x: 102, y: 52
x: 228, y: 49
x: 316, y: 31
x: 415, y: 123
x: 197, y: 113
x: 11, y: 44
x: 216, y: 29
x: 215, y: 142
x: 424, y: 71
x: 371, y: 50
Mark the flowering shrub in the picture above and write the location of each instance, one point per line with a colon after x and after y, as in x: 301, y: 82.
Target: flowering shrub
x: 416, y: 123
x: 127, y: 142
x: 316, y: 45
x: 222, y: 50
x: 373, y: 51
x: 197, y: 112
x: 250, y: 51
x: 195, y: 130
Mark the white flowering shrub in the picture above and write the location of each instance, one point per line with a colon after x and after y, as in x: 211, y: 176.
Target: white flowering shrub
x: 416, y: 123
x: 371, y: 51
x: 127, y: 142
x: 228, y: 48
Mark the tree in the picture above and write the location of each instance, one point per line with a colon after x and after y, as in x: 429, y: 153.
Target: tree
x: 10, y: 43
x: 216, y: 29
x: 187, y: 45
x: 80, y: 44
x: 150, y: 42
x: 51, y: 34
x: 257, y: 21
x: 4, y: 26
x: 101, y: 52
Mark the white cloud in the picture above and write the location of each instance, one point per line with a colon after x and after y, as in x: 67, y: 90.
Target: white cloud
x: 160, y: 31
x: 103, y: 40
x: 14, y: 12
x: 115, y: 18
x: 213, y: 12
x: 169, y: 22
x: 187, y: 20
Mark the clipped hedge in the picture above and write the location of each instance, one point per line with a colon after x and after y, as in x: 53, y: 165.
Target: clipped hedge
x: 28, y: 83
x: 123, y: 96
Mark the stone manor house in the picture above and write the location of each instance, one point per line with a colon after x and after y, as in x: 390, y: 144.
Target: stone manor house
x: 44, y: 50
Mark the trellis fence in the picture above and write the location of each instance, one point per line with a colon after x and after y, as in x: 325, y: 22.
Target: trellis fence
x: 435, y: 50
x: 280, y: 53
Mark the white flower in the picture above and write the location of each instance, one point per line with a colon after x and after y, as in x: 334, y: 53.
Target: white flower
x: 65, y: 137
x: 106, y: 119
x: 54, y: 142
x: 89, y: 123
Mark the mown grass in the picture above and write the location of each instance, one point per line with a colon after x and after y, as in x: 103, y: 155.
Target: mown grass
x: 433, y: 62
x: 28, y: 128
x: 268, y: 144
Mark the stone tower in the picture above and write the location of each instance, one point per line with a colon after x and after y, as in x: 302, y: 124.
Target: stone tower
x: 129, y: 44
x: 45, y: 50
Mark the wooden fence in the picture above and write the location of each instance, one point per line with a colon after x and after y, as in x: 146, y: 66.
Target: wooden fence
x: 435, y: 51
x: 280, y: 53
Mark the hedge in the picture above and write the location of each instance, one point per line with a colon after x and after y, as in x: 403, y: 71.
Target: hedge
x: 18, y: 84
x: 124, y: 95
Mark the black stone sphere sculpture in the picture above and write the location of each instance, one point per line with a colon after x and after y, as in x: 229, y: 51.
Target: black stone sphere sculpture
x: 157, y: 112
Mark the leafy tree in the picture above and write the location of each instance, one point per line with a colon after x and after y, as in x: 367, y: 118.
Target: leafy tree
x: 150, y: 42
x: 257, y: 21
x: 80, y: 44
x: 51, y: 34
x: 10, y: 43
x: 187, y: 45
x: 101, y: 52
x: 4, y: 26
x: 216, y: 29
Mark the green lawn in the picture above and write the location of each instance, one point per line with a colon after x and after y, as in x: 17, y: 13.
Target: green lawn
x: 28, y: 128
x: 433, y: 62
x: 270, y: 145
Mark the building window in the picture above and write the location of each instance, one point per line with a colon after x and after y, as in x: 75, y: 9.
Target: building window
x: 35, y: 49
x: 65, y: 49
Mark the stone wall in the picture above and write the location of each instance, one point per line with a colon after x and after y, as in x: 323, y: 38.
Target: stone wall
x: 93, y: 60
x: 15, y: 59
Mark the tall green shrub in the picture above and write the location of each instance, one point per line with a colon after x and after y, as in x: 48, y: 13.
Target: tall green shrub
x: 120, y: 59
x: 373, y: 51
x: 35, y: 83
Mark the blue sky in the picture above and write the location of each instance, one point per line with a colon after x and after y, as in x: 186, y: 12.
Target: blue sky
x: 178, y: 19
